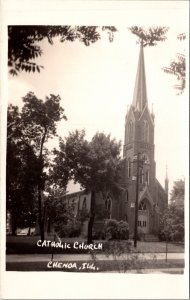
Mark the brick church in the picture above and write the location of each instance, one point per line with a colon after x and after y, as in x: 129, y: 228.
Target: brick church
x: 138, y: 145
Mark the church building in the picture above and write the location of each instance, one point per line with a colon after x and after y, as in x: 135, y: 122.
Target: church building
x: 138, y: 157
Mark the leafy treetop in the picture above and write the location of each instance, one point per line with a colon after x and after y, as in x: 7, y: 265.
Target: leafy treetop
x: 150, y: 36
x: 178, y: 191
x: 24, y: 46
x: 177, y: 67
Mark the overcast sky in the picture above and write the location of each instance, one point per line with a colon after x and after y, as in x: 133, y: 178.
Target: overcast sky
x: 96, y: 85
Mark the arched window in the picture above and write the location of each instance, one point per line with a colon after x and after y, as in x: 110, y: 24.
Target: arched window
x: 130, y: 131
x: 84, y: 203
x: 108, y: 205
x: 142, y: 206
x: 126, y: 196
x: 147, y: 177
x: 129, y: 168
x: 141, y: 176
x: 145, y: 131
x: 145, y: 159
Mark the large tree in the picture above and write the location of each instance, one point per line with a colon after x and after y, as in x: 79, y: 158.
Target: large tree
x: 95, y: 165
x: 37, y: 121
x: 172, y: 220
x: 178, y: 192
x: 172, y: 224
x: 21, y: 171
x: 59, y: 213
x: 24, y: 42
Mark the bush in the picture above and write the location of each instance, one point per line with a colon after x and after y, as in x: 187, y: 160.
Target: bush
x: 176, y: 235
x: 123, y: 230
x: 98, y: 235
x: 70, y: 230
x: 116, y: 230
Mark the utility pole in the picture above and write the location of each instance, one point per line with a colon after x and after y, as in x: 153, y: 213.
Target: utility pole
x: 136, y: 203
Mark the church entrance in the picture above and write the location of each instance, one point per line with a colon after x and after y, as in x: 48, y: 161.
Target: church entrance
x: 143, y: 216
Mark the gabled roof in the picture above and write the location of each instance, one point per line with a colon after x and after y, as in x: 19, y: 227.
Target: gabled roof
x: 146, y: 194
x: 142, y: 113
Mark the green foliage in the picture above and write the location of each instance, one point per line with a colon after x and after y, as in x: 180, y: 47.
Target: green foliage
x: 111, y: 229
x: 40, y: 117
x: 58, y: 210
x: 172, y: 224
x: 116, y: 230
x: 177, y: 68
x: 27, y: 158
x: 150, y: 36
x: 24, y: 42
x: 95, y: 164
x: 172, y: 221
x: 21, y: 173
x: 70, y: 230
x: 178, y: 192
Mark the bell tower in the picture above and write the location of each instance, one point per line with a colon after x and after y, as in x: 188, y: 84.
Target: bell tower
x: 139, y: 139
x: 139, y: 123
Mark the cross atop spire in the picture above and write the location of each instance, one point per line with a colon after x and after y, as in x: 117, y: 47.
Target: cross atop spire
x: 140, y: 94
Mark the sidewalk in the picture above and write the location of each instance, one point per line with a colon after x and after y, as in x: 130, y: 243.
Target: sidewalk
x: 153, y: 271
x: 87, y: 257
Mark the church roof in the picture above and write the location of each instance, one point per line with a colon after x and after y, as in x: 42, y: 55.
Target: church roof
x: 140, y: 93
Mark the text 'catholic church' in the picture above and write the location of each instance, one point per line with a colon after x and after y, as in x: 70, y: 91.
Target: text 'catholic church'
x: 138, y: 156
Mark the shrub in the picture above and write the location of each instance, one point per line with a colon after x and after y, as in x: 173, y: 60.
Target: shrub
x: 123, y: 230
x: 172, y: 224
x: 111, y: 229
x: 116, y: 230
x: 70, y: 230
x: 98, y: 235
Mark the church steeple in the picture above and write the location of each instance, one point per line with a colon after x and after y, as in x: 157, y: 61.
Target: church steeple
x: 140, y: 93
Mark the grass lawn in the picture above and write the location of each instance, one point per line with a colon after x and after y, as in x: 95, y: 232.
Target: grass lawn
x: 27, y: 245
x: 159, y: 247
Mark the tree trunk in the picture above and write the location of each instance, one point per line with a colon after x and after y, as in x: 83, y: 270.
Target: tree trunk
x: 166, y: 249
x: 13, y: 222
x: 41, y: 225
x: 14, y: 226
x: 41, y: 220
x: 92, y: 215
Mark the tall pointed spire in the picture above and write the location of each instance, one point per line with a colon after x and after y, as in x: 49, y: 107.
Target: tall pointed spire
x: 140, y: 94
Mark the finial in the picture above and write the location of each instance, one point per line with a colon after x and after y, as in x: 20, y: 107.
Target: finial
x: 166, y: 172
x: 152, y: 112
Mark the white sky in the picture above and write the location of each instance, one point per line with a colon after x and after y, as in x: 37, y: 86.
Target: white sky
x: 96, y: 85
